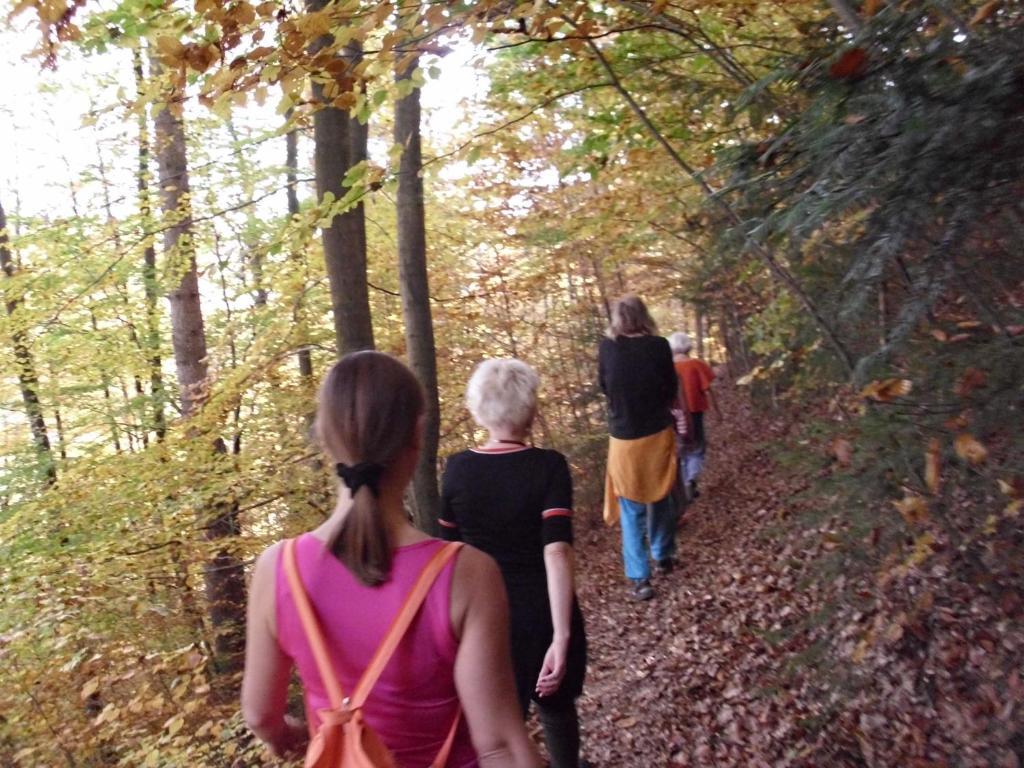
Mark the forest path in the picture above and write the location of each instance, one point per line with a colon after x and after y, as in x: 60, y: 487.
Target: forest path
x: 685, y: 678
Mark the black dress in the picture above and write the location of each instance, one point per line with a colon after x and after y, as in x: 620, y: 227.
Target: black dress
x: 511, y: 502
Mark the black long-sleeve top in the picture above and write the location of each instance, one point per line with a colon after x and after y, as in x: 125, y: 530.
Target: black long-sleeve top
x: 637, y: 375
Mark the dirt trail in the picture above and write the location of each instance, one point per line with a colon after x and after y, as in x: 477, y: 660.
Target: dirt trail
x: 668, y: 678
x: 783, y: 640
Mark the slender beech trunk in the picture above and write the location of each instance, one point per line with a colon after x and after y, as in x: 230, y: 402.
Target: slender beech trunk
x: 247, y: 241
x: 122, y: 291
x: 150, y: 283
x: 355, y: 219
x: 726, y: 342
x: 698, y: 322
x: 848, y: 15
x: 602, y: 288
x: 335, y: 134
x: 224, y: 575
x: 229, y: 324
x: 741, y: 343
x: 412, y: 271
x: 27, y: 379
x: 305, y: 357
x: 115, y: 432
x: 62, y: 446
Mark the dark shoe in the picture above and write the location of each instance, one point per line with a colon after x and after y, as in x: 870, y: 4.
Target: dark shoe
x: 693, y: 492
x: 664, y: 567
x: 642, y: 589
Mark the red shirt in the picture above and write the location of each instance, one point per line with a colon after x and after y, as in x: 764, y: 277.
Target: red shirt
x: 696, y: 377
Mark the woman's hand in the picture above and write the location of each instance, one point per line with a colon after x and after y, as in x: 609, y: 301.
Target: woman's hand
x: 295, y: 738
x: 553, y: 669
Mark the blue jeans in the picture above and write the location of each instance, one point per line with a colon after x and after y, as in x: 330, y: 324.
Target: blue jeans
x: 693, y: 461
x: 641, y: 521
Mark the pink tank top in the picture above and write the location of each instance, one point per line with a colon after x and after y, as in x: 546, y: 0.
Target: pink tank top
x: 413, y: 703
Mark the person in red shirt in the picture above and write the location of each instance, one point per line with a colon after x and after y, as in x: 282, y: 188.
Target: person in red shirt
x: 695, y: 377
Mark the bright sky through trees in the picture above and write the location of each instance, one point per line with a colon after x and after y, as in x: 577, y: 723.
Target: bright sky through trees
x: 50, y: 142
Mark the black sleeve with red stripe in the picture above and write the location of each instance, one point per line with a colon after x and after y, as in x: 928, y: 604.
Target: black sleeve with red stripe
x: 557, y: 513
x: 446, y: 520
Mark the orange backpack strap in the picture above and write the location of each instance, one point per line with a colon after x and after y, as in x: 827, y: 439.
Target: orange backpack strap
x: 442, y: 757
x: 312, y: 628
x: 402, y: 621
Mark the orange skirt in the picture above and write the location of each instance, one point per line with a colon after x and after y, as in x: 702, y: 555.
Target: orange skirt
x: 641, y: 470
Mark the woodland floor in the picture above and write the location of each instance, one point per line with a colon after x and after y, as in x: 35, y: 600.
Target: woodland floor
x: 768, y: 647
x: 665, y: 676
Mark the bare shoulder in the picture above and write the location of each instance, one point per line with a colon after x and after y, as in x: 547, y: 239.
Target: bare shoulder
x: 475, y: 582
x: 473, y: 565
x: 266, y: 562
x: 261, y: 589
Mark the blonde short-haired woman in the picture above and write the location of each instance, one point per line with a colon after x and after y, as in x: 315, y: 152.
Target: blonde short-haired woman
x: 514, y: 501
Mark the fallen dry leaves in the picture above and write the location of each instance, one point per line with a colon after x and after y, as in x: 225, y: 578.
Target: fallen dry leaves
x: 757, y: 652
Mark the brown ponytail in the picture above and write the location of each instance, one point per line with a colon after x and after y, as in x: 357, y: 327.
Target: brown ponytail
x: 369, y: 406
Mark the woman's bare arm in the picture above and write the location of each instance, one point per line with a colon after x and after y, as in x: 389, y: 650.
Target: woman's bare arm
x: 265, y: 681
x: 559, y: 564
x: 483, y: 666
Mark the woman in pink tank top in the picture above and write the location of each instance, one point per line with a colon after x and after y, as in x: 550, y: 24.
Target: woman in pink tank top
x: 358, y: 568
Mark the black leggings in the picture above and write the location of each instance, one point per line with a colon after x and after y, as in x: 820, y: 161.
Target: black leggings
x: 561, y: 730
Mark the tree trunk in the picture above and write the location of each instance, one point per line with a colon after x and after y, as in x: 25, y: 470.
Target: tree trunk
x: 149, y: 277
x: 848, y: 15
x: 27, y: 379
x: 698, y: 322
x: 741, y: 343
x: 305, y: 357
x: 412, y: 271
x: 62, y: 446
x: 249, y: 244
x: 115, y: 433
x: 340, y: 143
x: 224, y: 576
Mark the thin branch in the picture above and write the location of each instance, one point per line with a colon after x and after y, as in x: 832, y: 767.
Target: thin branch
x: 520, y: 118
x: 776, y: 268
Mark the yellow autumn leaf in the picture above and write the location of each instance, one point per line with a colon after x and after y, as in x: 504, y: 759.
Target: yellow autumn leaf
x: 894, y: 632
x: 842, y: 449
x: 1013, y: 509
x: 479, y: 34
x: 174, y: 724
x: 435, y: 16
x: 170, y: 47
x: 969, y: 449
x: 933, y: 465
x: 984, y: 12
x: 862, y: 648
x: 913, y: 508
x: 1013, y: 488
x: 152, y: 759
x: 90, y: 688
x: 923, y: 549
x: 886, y: 390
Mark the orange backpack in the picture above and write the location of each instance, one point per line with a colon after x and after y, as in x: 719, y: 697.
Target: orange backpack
x: 344, y: 740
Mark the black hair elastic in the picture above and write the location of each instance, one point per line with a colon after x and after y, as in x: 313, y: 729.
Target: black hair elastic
x: 366, y: 473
